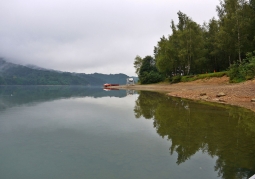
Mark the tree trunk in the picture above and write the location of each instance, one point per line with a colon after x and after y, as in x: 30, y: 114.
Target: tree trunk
x: 238, y: 31
x: 238, y: 43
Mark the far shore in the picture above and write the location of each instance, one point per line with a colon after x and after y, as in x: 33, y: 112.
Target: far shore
x: 217, y: 90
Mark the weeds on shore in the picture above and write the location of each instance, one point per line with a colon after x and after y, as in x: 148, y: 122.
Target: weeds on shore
x: 177, y: 79
x: 243, y: 71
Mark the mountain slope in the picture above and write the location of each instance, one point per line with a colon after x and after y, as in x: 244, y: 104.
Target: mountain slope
x: 13, y: 74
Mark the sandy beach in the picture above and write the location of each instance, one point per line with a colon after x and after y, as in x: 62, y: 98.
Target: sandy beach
x: 217, y: 90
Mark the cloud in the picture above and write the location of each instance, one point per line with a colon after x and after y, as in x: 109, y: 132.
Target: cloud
x: 90, y: 36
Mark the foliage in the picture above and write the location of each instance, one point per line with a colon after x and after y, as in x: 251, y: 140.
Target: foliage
x: 176, y: 79
x: 203, y: 76
x: 213, y: 46
x: 148, y: 72
x: 243, y: 71
x: 179, y: 78
x: 137, y: 64
x: 182, y: 49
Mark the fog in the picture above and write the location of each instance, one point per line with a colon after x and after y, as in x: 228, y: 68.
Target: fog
x: 85, y: 36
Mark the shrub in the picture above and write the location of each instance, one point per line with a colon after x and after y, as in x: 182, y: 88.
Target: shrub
x: 176, y: 79
x: 200, y: 76
x: 239, y: 72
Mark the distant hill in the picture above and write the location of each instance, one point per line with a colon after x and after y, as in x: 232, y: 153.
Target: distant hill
x: 13, y: 74
x: 112, y: 78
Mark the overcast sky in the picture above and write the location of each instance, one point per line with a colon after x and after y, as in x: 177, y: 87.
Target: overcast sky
x: 90, y: 36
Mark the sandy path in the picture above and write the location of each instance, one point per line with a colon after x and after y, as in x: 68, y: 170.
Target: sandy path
x: 239, y: 94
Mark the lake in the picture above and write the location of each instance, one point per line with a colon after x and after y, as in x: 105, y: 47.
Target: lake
x: 62, y: 132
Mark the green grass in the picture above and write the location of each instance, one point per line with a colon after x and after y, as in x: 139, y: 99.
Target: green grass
x: 203, y: 76
x: 177, y: 79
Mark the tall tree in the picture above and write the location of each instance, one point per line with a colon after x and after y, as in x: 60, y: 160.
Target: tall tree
x: 137, y: 64
x: 165, y: 56
x: 234, y: 18
x: 214, y: 51
x: 183, y: 49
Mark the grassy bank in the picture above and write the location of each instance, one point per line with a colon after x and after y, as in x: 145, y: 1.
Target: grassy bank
x: 177, y: 79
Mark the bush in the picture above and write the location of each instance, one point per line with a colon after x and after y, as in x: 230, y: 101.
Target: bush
x: 151, y: 77
x: 176, y: 79
x: 239, y: 72
x: 148, y: 72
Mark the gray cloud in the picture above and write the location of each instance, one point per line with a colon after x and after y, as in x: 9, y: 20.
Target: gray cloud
x: 90, y: 36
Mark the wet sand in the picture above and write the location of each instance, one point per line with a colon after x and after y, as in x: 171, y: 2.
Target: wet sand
x: 238, y: 94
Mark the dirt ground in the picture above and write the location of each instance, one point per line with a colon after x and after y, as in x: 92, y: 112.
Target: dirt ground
x: 240, y: 94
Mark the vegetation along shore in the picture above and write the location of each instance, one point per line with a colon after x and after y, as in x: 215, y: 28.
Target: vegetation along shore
x: 221, y: 51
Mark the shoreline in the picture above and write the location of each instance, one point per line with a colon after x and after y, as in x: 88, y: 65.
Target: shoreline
x: 217, y: 90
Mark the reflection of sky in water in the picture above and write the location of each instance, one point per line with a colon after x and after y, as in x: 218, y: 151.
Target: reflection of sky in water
x: 86, y: 137
x: 79, y: 113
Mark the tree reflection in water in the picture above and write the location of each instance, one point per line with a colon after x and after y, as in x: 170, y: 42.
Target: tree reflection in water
x: 218, y: 130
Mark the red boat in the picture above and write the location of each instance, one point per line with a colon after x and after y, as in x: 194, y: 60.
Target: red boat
x: 108, y: 85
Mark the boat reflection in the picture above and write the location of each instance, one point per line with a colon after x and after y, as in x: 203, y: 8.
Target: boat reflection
x: 110, y: 89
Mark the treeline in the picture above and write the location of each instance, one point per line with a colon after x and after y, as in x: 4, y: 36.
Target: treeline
x: 221, y: 44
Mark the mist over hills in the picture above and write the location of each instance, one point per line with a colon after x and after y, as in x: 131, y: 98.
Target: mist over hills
x: 14, y: 74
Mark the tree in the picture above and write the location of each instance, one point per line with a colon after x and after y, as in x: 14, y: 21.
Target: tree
x: 148, y: 72
x: 216, y: 45
x: 137, y: 64
x: 214, y: 51
x: 165, y: 56
x: 183, y: 50
x: 235, y: 27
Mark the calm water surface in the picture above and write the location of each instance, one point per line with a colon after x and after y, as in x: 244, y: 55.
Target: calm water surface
x: 77, y: 132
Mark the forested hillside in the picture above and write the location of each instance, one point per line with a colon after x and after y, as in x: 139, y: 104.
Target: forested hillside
x: 111, y: 78
x: 12, y: 74
x: 218, y: 45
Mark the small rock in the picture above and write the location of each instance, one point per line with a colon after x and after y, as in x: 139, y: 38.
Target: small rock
x: 216, y: 99
x: 221, y: 100
x: 202, y: 94
x: 220, y: 94
x: 253, y: 100
x: 204, y: 97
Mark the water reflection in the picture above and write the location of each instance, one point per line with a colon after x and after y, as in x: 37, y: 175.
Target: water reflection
x: 131, y: 92
x: 17, y: 95
x: 220, y: 131
x: 80, y: 132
